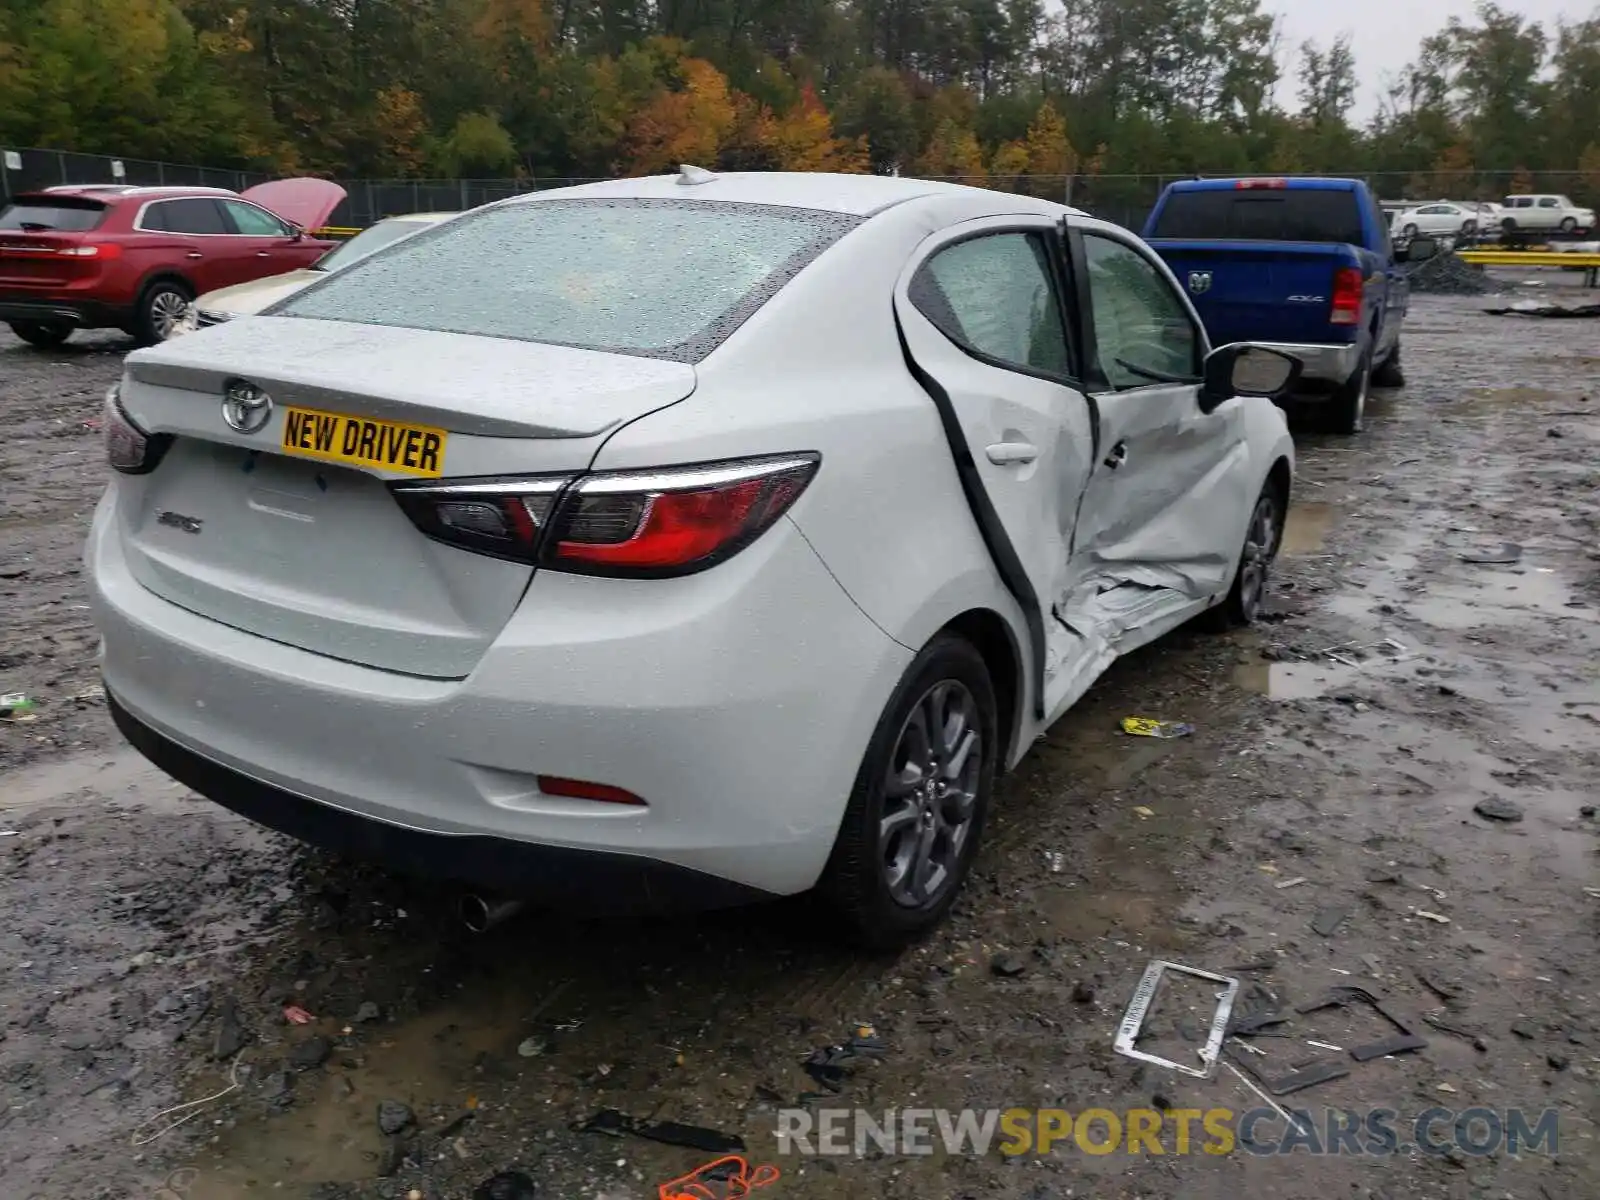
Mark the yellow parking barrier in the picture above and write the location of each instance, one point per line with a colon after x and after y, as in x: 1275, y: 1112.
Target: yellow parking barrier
x: 1588, y: 261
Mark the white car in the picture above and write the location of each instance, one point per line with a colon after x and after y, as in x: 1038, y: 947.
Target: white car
x: 680, y: 540
x: 1545, y: 214
x: 1435, y: 220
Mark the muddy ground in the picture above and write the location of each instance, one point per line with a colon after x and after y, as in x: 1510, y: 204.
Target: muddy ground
x: 143, y: 926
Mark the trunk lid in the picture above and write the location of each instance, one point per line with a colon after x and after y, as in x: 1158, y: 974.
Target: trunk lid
x: 1262, y: 291
x: 29, y: 259
x: 316, y: 553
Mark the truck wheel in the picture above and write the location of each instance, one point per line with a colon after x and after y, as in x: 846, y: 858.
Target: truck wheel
x: 912, y: 824
x: 1389, y: 373
x: 161, y: 308
x: 45, y: 334
x: 1348, y: 406
x: 1509, y: 224
x: 1569, y: 224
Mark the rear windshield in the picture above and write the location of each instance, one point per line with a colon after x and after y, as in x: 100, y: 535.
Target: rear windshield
x: 1262, y: 215
x: 657, y: 278
x: 62, y: 213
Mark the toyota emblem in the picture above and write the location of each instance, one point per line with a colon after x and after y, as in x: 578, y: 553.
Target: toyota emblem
x: 245, y: 407
x: 1199, y: 281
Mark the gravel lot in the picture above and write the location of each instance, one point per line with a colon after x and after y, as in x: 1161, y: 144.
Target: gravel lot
x: 144, y: 925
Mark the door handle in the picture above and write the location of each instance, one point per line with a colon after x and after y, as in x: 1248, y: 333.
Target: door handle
x: 1004, y: 454
x: 263, y: 254
x: 194, y: 254
x: 1118, y: 455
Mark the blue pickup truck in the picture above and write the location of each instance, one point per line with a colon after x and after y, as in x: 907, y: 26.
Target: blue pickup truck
x: 1302, y: 265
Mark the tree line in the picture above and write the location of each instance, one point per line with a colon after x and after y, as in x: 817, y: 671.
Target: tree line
x: 999, y: 91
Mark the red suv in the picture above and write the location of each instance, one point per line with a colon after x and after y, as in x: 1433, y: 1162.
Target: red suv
x: 98, y: 256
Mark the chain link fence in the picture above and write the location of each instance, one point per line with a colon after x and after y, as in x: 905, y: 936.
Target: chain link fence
x: 1123, y: 199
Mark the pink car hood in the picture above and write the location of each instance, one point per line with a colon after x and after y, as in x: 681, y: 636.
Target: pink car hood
x: 307, y: 202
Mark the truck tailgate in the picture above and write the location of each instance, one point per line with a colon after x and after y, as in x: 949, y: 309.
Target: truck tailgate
x: 1262, y: 291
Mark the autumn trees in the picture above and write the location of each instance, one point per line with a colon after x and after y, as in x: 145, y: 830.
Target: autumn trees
x: 1011, y: 93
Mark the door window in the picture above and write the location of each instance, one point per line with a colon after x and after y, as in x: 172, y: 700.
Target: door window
x: 994, y: 296
x: 253, y: 221
x: 1548, y: 202
x: 1142, y: 327
x: 196, y: 215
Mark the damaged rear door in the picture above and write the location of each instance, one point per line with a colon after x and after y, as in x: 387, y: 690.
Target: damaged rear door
x: 1163, y: 513
x: 980, y: 311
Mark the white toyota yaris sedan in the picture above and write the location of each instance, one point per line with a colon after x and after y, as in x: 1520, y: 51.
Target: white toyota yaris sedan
x: 676, y: 541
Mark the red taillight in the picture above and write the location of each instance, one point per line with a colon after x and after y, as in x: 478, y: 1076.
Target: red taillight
x: 101, y: 250
x: 1249, y: 184
x: 130, y: 449
x: 578, y: 789
x: 1348, y: 286
x: 672, y: 521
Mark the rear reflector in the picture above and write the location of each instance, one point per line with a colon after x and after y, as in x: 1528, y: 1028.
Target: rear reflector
x: 672, y: 521
x: 1348, y: 285
x: 578, y: 789
x: 1247, y: 184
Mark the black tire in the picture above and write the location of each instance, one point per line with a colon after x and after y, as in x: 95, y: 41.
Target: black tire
x: 857, y: 880
x: 1509, y: 224
x: 1569, y: 224
x: 1347, y: 407
x: 153, y: 323
x: 1389, y: 373
x: 47, y: 335
x: 1410, y: 231
x: 1262, y: 538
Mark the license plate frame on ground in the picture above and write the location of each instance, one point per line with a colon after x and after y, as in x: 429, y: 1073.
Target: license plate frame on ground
x: 1139, y: 1007
x: 365, y: 442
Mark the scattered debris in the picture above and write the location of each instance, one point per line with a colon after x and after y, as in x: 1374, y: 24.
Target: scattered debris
x: 1448, y: 274
x: 296, y: 1015
x: 1496, y: 808
x: 1325, y: 1046
x: 1342, y: 996
x: 1436, y: 918
x: 1083, y: 993
x: 1150, y: 727
x: 613, y: 1123
x: 1505, y: 552
x: 732, y: 1176
x: 1558, y: 1062
x: 1445, y: 1025
x: 17, y: 707
x: 1127, y: 1038
x: 1322, y: 1072
x: 1328, y: 920
x: 367, y: 1013
x: 393, y: 1116
x: 1536, y: 308
x: 231, y: 1034
x: 1289, y: 883
x: 830, y: 1065
x: 1007, y: 966
x: 1142, y: 812
x: 1056, y: 861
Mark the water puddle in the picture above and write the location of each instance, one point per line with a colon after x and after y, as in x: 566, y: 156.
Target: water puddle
x: 1307, y: 527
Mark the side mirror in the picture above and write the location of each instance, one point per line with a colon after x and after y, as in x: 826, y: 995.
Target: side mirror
x: 1243, y: 369
x: 1421, y: 249
x: 296, y: 234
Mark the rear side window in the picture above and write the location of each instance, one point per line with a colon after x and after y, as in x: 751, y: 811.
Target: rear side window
x: 1262, y: 215
x: 656, y: 278
x: 195, y: 215
x: 250, y: 220
x: 57, y: 213
x: 994, y: 295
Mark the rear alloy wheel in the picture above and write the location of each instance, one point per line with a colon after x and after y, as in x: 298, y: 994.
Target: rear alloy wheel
x: 161, y: 310
x: 1262, y: 538
x: 1409, y: 231
x: 916, y: 813
x: 1569, y: 224
x: 1389, y: 373
x: 1348, y: 406
x: 44, y: 334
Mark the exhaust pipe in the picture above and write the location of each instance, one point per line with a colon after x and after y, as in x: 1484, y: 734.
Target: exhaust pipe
x: 482, y: 913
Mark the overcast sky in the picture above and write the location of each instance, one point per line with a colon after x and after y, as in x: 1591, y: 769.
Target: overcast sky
x: 1385, y: 33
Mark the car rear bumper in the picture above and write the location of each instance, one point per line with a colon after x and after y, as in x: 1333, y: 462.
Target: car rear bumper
x: 1323, y: 363
x: 738, y: 703
x: 84, y: 314
x: 598, y: 881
